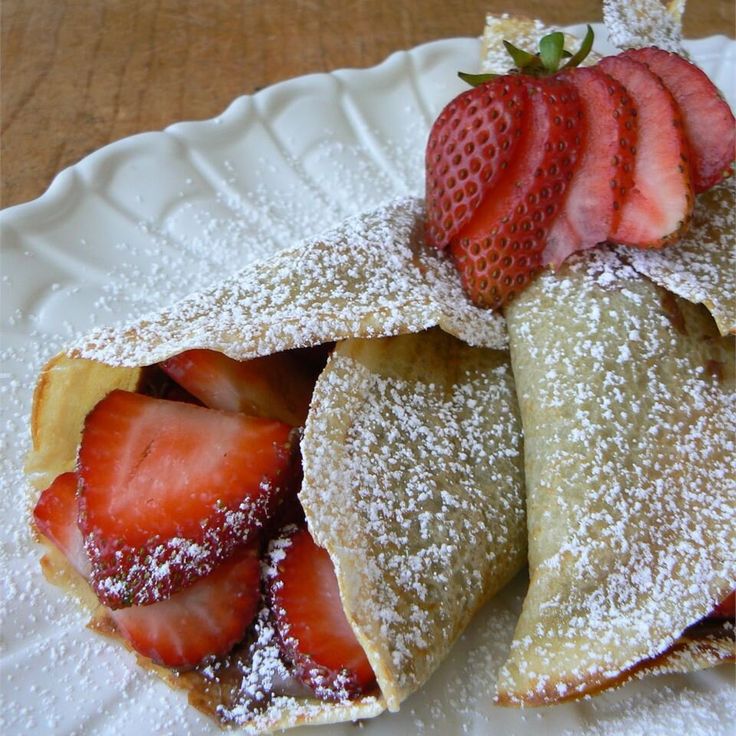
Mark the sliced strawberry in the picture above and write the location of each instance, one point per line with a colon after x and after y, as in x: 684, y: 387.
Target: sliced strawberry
x: 155, y: 382
x: 710, y: 128
x: 206, y: 619
x: 657, y: 210
x: 290, y: 510
x: 499, y: 250
x: 276, y: 386
x: 605, y: 172
x: 726, y: 608
x: 470, y: 146
x: 170, y: 489
x: 56, y: 515
x: 314, y: 633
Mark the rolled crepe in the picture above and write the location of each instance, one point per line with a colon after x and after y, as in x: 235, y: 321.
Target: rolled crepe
x: 412, y: 451
x: 626, y: 394
x: 370, y: 277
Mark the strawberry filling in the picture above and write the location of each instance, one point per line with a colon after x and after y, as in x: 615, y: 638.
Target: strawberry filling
x: 310, y: 622
x: 168, y: 490
x: 172, y: 506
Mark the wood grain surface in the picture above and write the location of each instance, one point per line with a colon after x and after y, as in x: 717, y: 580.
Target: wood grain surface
x: 78, y: 74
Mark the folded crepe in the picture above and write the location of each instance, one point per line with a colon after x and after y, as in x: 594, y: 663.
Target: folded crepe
x: 412, y: 449
x: 370, y: 277
x: 626, y: 394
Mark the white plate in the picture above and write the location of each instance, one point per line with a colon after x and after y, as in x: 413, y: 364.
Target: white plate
x: 151, y: 217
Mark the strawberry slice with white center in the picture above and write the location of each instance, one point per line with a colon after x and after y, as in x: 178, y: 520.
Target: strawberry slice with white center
x: 658, y: 208
x: 55, y: 516
x: 204, y: 620
x: 314, y: 632
x: 710, y: 127
x: 277, y: 386
x: 605, y: 171
x: 168, y: 490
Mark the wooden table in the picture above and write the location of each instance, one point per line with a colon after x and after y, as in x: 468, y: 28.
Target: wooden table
x: 79, y: 74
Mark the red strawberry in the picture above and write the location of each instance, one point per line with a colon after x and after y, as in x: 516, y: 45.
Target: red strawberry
x: 500, y: 248
x: 206, y: 619
x: 605, y: 172
x: 169, y: 489
x: 710, y: 128
x: 275, y: 386
x: 470, y: 146
x: 726, y: 608
x: 658, y: 208
x: 155, y: 382
x: 55, y: 516
x: 313, y: 630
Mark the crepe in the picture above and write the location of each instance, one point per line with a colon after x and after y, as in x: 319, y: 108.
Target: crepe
x: 412, y: 447
x: 631, y: 526
x: 413, y: 483
x: 372, y: 276
x: 644, y: 23
x: 627, y: 397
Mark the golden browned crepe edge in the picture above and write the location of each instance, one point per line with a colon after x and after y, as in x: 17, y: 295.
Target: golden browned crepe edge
x: 689, y: 653
x: 66, y: 390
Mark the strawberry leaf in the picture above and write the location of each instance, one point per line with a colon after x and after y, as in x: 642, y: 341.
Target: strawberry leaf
x: 550, y: 51
x: 475, y: 80
x: 579, y: 56
x: 522, y: 59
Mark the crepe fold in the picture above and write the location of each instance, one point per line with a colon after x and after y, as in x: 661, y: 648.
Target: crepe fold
x: 412, y: 450
x: 627, y: 398
x: 413, y: 482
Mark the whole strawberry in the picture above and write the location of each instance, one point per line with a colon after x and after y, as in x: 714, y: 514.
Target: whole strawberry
x: 499, y: 161
x: 529, y: 167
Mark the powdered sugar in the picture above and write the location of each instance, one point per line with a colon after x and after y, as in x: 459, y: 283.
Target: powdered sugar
x: 636, y: 23
x: 635, y: 544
